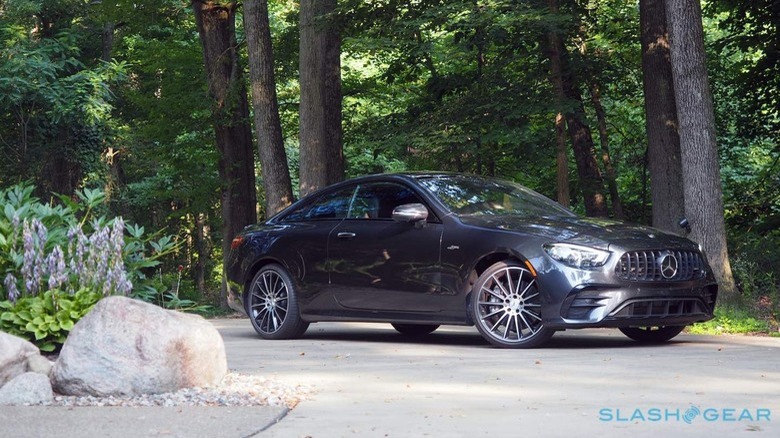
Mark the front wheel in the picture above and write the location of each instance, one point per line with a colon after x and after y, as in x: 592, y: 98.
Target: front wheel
x: 652, y: 335
x: 272, y: 304
x: 507, y: 307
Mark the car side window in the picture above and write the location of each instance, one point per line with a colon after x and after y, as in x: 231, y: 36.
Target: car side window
x: 330, y: 206
x: 377, y: 200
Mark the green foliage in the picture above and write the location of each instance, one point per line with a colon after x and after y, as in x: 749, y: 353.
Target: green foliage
x: 750, y: 35
x: 53, y: 271
x: 446, y: 85
x: 52, y: 105
x: 731, y: 321
x: 157, y: 292
x: 46, y: 319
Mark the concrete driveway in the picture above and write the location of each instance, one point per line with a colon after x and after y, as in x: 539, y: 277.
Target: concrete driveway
x: 370, y: 381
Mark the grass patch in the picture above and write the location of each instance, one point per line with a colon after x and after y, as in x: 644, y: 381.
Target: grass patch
x: 733, y: 321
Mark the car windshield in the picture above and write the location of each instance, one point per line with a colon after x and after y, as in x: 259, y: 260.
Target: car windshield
x: 474, y: 195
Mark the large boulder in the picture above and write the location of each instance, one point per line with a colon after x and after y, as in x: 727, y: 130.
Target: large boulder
x: 14, y: 353
x: 128, y: 347
x: 26, y: 388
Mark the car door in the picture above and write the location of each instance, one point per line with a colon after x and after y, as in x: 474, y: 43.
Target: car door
x: 379, y: 264
x: 302, y: 244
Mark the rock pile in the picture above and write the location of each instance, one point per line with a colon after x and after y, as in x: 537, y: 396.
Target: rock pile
x: 24, y: 373
x: 123, y: 347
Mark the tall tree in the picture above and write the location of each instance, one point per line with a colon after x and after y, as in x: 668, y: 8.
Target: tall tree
x: 268, y: 128
x: 561, y: 161
x: 230, y: 114
x: 606, y: 159
x: 701, y: 171
x: 663, y: 141
x: 580, y: 134
x: 321, y: 157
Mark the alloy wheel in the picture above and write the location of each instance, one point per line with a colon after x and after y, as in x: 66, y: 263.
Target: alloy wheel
x: 507, y: 307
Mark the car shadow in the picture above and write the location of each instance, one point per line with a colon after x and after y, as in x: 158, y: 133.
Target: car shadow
x: 455, y: 336
x: 567, y: 341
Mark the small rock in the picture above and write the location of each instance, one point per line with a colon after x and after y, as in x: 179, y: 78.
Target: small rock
x: 14, y: 352
x: 27, y: 388
x: 39, y: 364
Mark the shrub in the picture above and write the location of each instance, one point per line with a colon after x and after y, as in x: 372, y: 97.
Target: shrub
x: 57, y: 260
x: 46, y: 319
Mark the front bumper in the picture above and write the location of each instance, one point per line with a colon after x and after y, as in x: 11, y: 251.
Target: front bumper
x: 635, y: 306
x: 576, y: 298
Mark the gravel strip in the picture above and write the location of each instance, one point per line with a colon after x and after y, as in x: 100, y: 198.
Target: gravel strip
x: 234, y: 390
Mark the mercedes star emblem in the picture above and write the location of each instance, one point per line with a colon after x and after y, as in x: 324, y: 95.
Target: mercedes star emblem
x: 669, y: 266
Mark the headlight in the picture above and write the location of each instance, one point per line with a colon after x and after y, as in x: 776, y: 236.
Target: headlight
x: 577, y: 256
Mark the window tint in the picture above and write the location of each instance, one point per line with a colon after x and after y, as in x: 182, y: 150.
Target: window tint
x: 330, y: 206
x: 377, y: 201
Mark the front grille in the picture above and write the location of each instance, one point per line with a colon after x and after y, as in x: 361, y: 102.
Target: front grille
x: 661, y: 308
x: 664, y: 265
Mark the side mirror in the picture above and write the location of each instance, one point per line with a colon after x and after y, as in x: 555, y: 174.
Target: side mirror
x: 414, y: 212
x: 685, y: 225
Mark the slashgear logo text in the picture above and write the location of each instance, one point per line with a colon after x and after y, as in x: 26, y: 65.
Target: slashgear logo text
x: 690, y: 415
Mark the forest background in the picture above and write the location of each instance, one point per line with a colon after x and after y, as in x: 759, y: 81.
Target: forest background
x: 194, y: 119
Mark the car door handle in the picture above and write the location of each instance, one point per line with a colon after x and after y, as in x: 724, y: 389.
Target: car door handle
x: 345, y: 235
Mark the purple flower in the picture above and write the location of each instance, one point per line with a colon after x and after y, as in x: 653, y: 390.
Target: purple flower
x: 55, y: 263
x: 10, y: 285
x: 30, y: 268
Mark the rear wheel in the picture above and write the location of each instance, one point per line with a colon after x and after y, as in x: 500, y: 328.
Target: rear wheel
x: 272, y: 304
x: 507, y: 307
x: 414, y: 330
x: 652, y: 335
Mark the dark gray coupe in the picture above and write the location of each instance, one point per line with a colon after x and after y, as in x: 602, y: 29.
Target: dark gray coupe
x: 422, y: 250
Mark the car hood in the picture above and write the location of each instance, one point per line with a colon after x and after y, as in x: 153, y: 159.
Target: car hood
x: 593, y: 232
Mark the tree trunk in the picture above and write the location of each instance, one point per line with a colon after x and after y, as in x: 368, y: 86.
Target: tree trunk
x: 601, y: 117
x: 701, y: 171
x: 268, y: 128
x: 562, y: 160
x: 579, y: 132
x: 322, y: 158
x: 666, y: 184
x: 202, y: 252
x: 230, y: 114
x: 107, y: 47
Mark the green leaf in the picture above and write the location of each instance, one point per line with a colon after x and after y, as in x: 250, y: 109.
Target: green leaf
x: 67, y: 325
x: 9, y: 212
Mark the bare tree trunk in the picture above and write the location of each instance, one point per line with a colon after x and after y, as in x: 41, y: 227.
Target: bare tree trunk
x: 611, y: 178
x: 322, y: 157
x: 268, y: 128
x: 202, y: 251
x: 108, y: 42
x: 661, y: 114
x: 230, y: 113
x: 695, y: 113
x: 579, y: 132
x: 562, y: 160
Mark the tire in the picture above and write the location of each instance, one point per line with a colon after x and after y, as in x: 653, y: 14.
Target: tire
x: 652, y: 335
x: 272, y: 304
x: 415, y: 330
x: 507, y: 308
